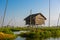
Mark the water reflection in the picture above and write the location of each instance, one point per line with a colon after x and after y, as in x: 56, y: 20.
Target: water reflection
x: 35, y: 39
x: 43, y: 38
x: 21, y: 38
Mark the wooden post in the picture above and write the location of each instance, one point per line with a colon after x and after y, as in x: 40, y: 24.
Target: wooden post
x: 58, y: 20
x: 4, y: 13
x: 30, y: 16
x: 36, y: 28
x: 49, y: 13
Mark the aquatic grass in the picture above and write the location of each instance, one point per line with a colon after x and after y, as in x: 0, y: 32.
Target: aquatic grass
x: 43, y: 32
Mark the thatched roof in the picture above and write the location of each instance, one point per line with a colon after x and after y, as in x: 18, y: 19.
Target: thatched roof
x: 33, y: 15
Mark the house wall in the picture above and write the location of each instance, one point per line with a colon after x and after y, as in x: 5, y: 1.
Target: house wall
x: 39, y: 20
x: 32, y: 22
x: 27, y: 22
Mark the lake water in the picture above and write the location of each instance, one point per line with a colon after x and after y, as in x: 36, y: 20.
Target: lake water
x: 20, y: 38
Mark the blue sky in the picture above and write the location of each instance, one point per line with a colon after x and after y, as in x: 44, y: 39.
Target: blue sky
x: 17, y: 10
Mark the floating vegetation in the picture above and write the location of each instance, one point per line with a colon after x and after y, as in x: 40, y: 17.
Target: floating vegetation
x: 4, y: 36
x: 42, y: 32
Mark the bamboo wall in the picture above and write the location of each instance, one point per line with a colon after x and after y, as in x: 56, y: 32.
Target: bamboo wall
x: 39, y: 20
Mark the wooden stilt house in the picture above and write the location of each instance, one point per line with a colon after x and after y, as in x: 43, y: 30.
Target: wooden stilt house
x: 35, y: 19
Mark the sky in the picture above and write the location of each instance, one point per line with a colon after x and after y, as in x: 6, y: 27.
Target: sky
x: 17, y: 10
